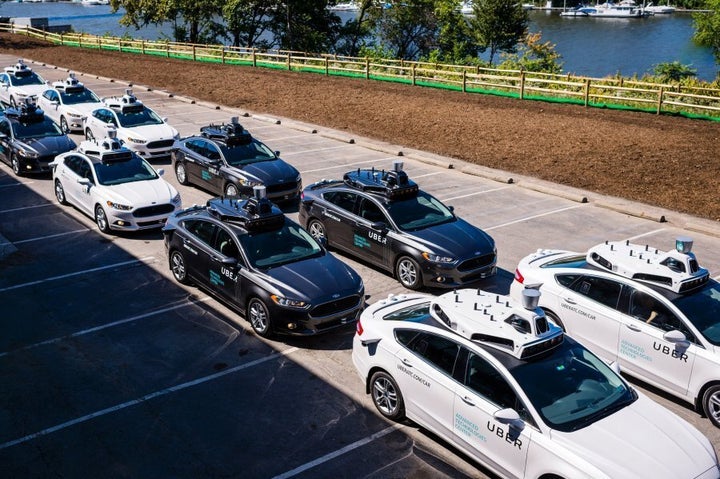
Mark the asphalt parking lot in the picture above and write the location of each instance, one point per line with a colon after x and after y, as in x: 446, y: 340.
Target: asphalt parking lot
x: 111, y: 369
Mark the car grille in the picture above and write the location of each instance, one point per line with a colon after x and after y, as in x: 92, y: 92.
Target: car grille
x: 335, y: 307
x: 477, y: 262
x: 281, y: 187
x: 153, y: 210
x: 160, y: 144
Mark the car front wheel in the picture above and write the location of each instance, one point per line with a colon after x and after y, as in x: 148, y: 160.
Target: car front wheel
x: 15, y: 163
x: 231, y: 190
x: 407, y: 271
x: 89, y: 135
x: 259, y: 317
x: 60, y: 193
x: 64, y: 125
x: 711, y: 404
x: 177, y: 266
x: 181, y: 173
x: 101, y: 219
x: 386, y: 396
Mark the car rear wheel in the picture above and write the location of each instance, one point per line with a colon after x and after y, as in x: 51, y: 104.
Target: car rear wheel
x: 64, y: 125
x: 181, y: 173
x: 101, y: 219
x: 231, y: 190
x: 89, y: 135
x: 60, y: 193
x: 259, y: 317
x: 407, y: 271
x: 386, y: 396
x: 15, y: 163
x: 177, y: 266
x: 316, y: 229
x: 711, y: 404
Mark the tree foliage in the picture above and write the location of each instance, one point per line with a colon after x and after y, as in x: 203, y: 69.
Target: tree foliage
x: 304, y: 25
x: 498, y: 25
x: 247, y: 21
x: 673, y: 71
x: 408, y: 29
x: 533, y: 55
x: 707, y: 27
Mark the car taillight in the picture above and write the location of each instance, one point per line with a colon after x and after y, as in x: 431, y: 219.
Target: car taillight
x: 519, y: 277
x: 359, y: 328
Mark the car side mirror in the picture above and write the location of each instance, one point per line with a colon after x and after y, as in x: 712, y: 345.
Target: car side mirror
x: 230, y: 261
x: 84, y: 181
x: 379, y: 226
x: 160, y: 171
x: 451, y: 208
x: 675, y: 337
x: 277, y: 152
x: 508, y: 416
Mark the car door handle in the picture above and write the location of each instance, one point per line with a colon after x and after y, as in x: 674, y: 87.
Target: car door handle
x: 569, y: 300
x: 406, y: 363
x: 468, y: 400
x: 633, y: 327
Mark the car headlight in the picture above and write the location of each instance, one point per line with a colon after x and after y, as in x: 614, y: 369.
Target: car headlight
x: 119, y: 206
x: 136, y: 140
x: 249, y: 183
x: 28, y: 153
x: 436, y: 258
x: 74, y: 115
x: 176, y: 198
x: 287, y: 302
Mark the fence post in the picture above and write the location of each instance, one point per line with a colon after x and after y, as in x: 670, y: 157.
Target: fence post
x: 193, y: 53
x: 61, y: 39
x: 167, y: 49
x: 119, y: 45
x: 98, y: 43
x: 222, y: 55
x: 464, y: 85
x: 367, y: 68
x: 80, y: 40
x: 413, y: 74
x: 587, y: 91
x: 327, y: 66
x: 142, y: 46
x: 522, y: 85
x: 660, y: 100
x: 289, y: 60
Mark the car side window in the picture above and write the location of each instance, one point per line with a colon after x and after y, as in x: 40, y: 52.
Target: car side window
x: 566, y: 279
x: 225, y: 244
x: 74, y: 163
x: 4, y: 79
x: 342, y: 199
x: 650, y: 310
x: 437, y: 350
x: 484, y: 379
x: 602, y: 290
x: 50, y: 95
x: 211, y: 152
x: 5, y: 128
x: 202, y: 230
x: 371, y: 212
x: 85, y: 170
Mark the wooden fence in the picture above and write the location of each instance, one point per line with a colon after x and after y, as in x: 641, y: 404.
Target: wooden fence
x: 602, y: 92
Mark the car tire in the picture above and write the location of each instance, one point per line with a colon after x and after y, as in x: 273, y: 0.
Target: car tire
x: 60, y: 193
x: 554, y: 318
x: 259, y: 318
x: 101, y: 219
x: 231, y: 191
x: 387, y: 396
x: 89, y: 135
x: 178, y: 268
x: 317, y: 229
x: 64, y: 125
x: 407, y: 271
x: 13, y: 103
x: 181, y: 173
x: 711, y: 404
x: 15, y: 164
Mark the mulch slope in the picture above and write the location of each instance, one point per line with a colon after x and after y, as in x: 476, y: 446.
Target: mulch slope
x: 665, y: 161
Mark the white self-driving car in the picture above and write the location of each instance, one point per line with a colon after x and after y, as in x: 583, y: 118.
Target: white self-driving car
x: 657, y: 313
x: 117, y: 188
x: 137, y: 126
x: 68, y: 103
x: 501, y: 383
x: 18, y: 83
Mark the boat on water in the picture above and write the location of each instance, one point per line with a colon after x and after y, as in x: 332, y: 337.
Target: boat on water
x: 95, y: 2
x: 659, y: 9
x: 624, y: 9
x: 345, y: 7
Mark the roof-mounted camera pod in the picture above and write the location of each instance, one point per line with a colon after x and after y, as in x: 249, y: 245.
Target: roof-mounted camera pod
x: 107, y: 150
x: 20, y: 69
x: 69, y: 85
x: 498, y: 321
x: 128, y: 103
x: 256, y: 214
x: 232, y: 133
x: 393, y: 184
x: 676, y: 270
x: 26, y: 112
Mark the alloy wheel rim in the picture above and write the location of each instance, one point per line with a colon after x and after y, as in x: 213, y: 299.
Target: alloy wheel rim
x: 258, y: 317
x: 407, y: 271
x: 385, y: 395
x: 178, y: 267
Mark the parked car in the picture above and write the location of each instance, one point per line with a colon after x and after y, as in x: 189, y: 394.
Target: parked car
x: 69, y: 103
x: 19, y: 83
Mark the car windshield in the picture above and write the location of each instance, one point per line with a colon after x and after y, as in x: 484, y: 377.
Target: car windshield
x: 79, y: 96
x: 139, y: 118
x: 36, y: 129
x: 419, y: 212
x: 124, y: 171
x: 702, y: 308
x: 253, y: 152
x: 571, y: 388
x: 24, y: 80
x: 289, y: 244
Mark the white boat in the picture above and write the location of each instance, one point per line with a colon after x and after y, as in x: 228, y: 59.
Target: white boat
x: 659, y: 9
x: 624, y: 9
x: 95, y: 2
x: 345, y: 7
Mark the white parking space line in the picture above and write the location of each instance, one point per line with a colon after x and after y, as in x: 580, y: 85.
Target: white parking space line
x: 339, y: 452
x: 646, y: 234
x: 475, y: 193
x: 147, y: 397
x: 527, y: 218
x: 281, y: 138
x: 28, y: 207
x: 184, y: 304
x: 346, y: 165
x: 56, y: 235
x: 77, y: 273
x: 18, y: 184
x: 314, y: 150
x: 429, y: 174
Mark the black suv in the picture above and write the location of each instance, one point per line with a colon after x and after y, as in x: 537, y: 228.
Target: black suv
x: 29, y: 140
x: 249, y: 254
x: 226, y: 160
x: 384, y: 218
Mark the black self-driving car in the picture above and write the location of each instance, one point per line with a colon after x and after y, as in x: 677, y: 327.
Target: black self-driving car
x: 29, y: 140
x: 226, y: 160
x: 383, y: 217
x: 250, y: 255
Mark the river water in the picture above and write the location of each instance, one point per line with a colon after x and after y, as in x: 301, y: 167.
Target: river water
x: 594, y: 47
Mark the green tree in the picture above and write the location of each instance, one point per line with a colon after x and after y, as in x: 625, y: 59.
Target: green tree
x: 673, y: 71
x: 356, y: 31
x: 247, y: 21
x: 195, y: 21
x: 533, y: 55
x: 304, y: 25
x: 498, y: 25
x: 407, y: 29
x: 454, y: 42
x: 707, y: 27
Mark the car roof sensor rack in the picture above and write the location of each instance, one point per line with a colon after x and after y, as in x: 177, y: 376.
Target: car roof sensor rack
x: 69, y: 85
x: 498, y: 321
x: 26, y: 112
x: 232, y: 133
x: 676, y: 270
x: 393, y: 184
x: 20, y: 69
x: 128, y: 103
x: 109, y: 149
x: 255, y: 214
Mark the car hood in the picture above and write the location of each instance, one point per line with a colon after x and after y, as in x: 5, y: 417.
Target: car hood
x: 35, y: 90
x: 141, y: 193
x: 458, y: 239
x: 315, y: 280
x: 83, y: 109
x: 270, y: 172
x: 642, y: 440
x: 49, y: 145
x: 149, y: 132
